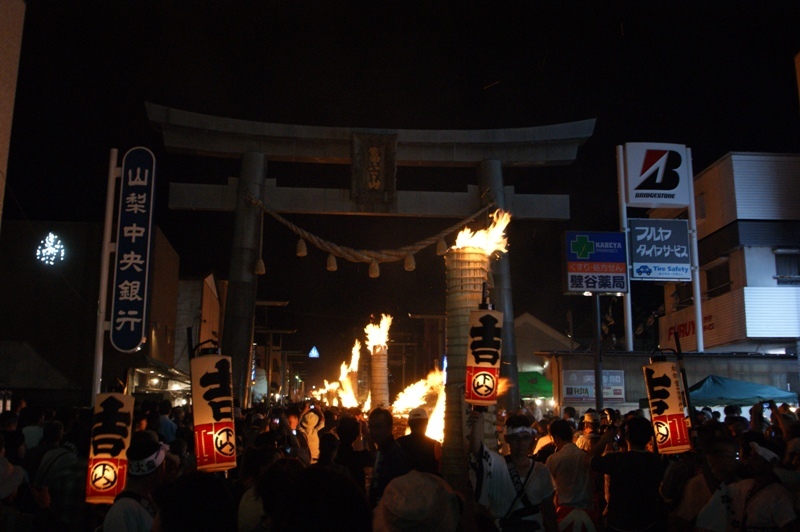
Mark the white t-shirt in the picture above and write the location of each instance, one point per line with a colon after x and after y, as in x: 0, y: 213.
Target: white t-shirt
x: 498, y: 491
x: 770, y: 507
x: 572, y: 477
x: 129, y: 515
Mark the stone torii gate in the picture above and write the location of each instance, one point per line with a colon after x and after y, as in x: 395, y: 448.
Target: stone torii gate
x: 256, y: 142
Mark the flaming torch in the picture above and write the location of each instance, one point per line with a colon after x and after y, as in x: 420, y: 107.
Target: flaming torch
x: 348, y: 378
x: 467, y: 269
x: 377, y: 340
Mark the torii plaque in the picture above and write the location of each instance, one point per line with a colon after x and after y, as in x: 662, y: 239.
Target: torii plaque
x: 257, y: 142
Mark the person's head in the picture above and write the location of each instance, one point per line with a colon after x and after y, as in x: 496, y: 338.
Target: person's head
x: 348, y: 429
x: 722, y: 457
x: 591, y: 422
x: 293, y: 417
x: 328, y: 445
x: 195, y: 501
x: 737, y: 425
x: 146, y: 460
x: 52, y: 432
x: 380, y: 426
x: 418, y: 501
x: 518, y: 434
x: 418, y: 420
x: 732, y: 410
x: 561, y: 431
x: 178, y: 413
x: 763, y: 457
x: 609, y: 417
x: 638, y: 432
x: 165, y: 407
x: 569, y: 412
x: 8, y: 420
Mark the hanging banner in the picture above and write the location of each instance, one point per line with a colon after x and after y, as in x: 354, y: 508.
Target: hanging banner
x: 129, y: 299
x: 212, y: 400
x: 111, y: 436
x: 483, y: 357
x: 667, y: 408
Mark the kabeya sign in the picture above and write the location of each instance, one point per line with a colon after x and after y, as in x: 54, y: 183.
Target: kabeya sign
x: 657, y: 175
x: 596, y: 262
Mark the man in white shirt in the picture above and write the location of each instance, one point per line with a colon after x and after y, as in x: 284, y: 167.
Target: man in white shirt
x: 570, y: 468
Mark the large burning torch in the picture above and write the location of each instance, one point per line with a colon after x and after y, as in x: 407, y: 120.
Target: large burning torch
x: 377, y: 340
x: 467, y: 270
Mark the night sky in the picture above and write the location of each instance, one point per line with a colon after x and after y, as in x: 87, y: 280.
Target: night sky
x: 716, y: 76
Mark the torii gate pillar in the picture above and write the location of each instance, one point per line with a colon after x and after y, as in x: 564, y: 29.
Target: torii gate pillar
x: 491, y: 188
x: 237, y: 337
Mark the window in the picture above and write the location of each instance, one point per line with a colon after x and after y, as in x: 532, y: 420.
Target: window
x: 787, y: 267
x: 718, y: 279
x: 683, y: 296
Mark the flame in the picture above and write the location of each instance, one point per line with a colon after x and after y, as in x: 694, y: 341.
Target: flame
x: 503, y: 385
x: 378, y: 335
x: 418, y: 394
x: 368, y: 402
x: 322, y: 393
x: 490, y: 239
x: 346, y: 393
x: 436, y: 419
x: 354, y: 357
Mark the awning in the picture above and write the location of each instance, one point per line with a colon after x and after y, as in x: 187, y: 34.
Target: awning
x: 719, y: 391
x: 534, y: 384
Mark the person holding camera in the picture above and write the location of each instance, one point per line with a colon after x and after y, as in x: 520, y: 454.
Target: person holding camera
x: 634, y: 478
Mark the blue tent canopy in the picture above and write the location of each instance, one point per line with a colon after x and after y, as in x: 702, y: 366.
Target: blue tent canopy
x: 718, y: 391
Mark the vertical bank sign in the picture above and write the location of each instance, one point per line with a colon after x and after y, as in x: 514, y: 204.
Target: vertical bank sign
x: 657, y: 175
x: 129, y: 303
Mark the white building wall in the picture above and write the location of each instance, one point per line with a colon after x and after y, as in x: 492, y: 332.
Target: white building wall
x: 760, y: 267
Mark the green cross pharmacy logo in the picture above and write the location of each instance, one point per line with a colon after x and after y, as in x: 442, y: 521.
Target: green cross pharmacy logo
x: 582, y: 246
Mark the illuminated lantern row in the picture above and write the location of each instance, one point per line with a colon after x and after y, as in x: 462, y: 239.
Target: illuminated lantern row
x: 667, y: 407
x: 212, y: 402
x: 112, y: 425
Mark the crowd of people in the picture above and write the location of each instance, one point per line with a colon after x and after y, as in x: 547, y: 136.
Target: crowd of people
x: 308, y: 467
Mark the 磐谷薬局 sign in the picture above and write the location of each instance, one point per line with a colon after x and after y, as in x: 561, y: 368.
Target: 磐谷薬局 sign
x: 596, y: 262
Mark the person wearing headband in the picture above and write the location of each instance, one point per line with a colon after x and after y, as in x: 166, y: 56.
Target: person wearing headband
x: 757, y: 503
x: 133, y: 509
x: 516, y: 490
